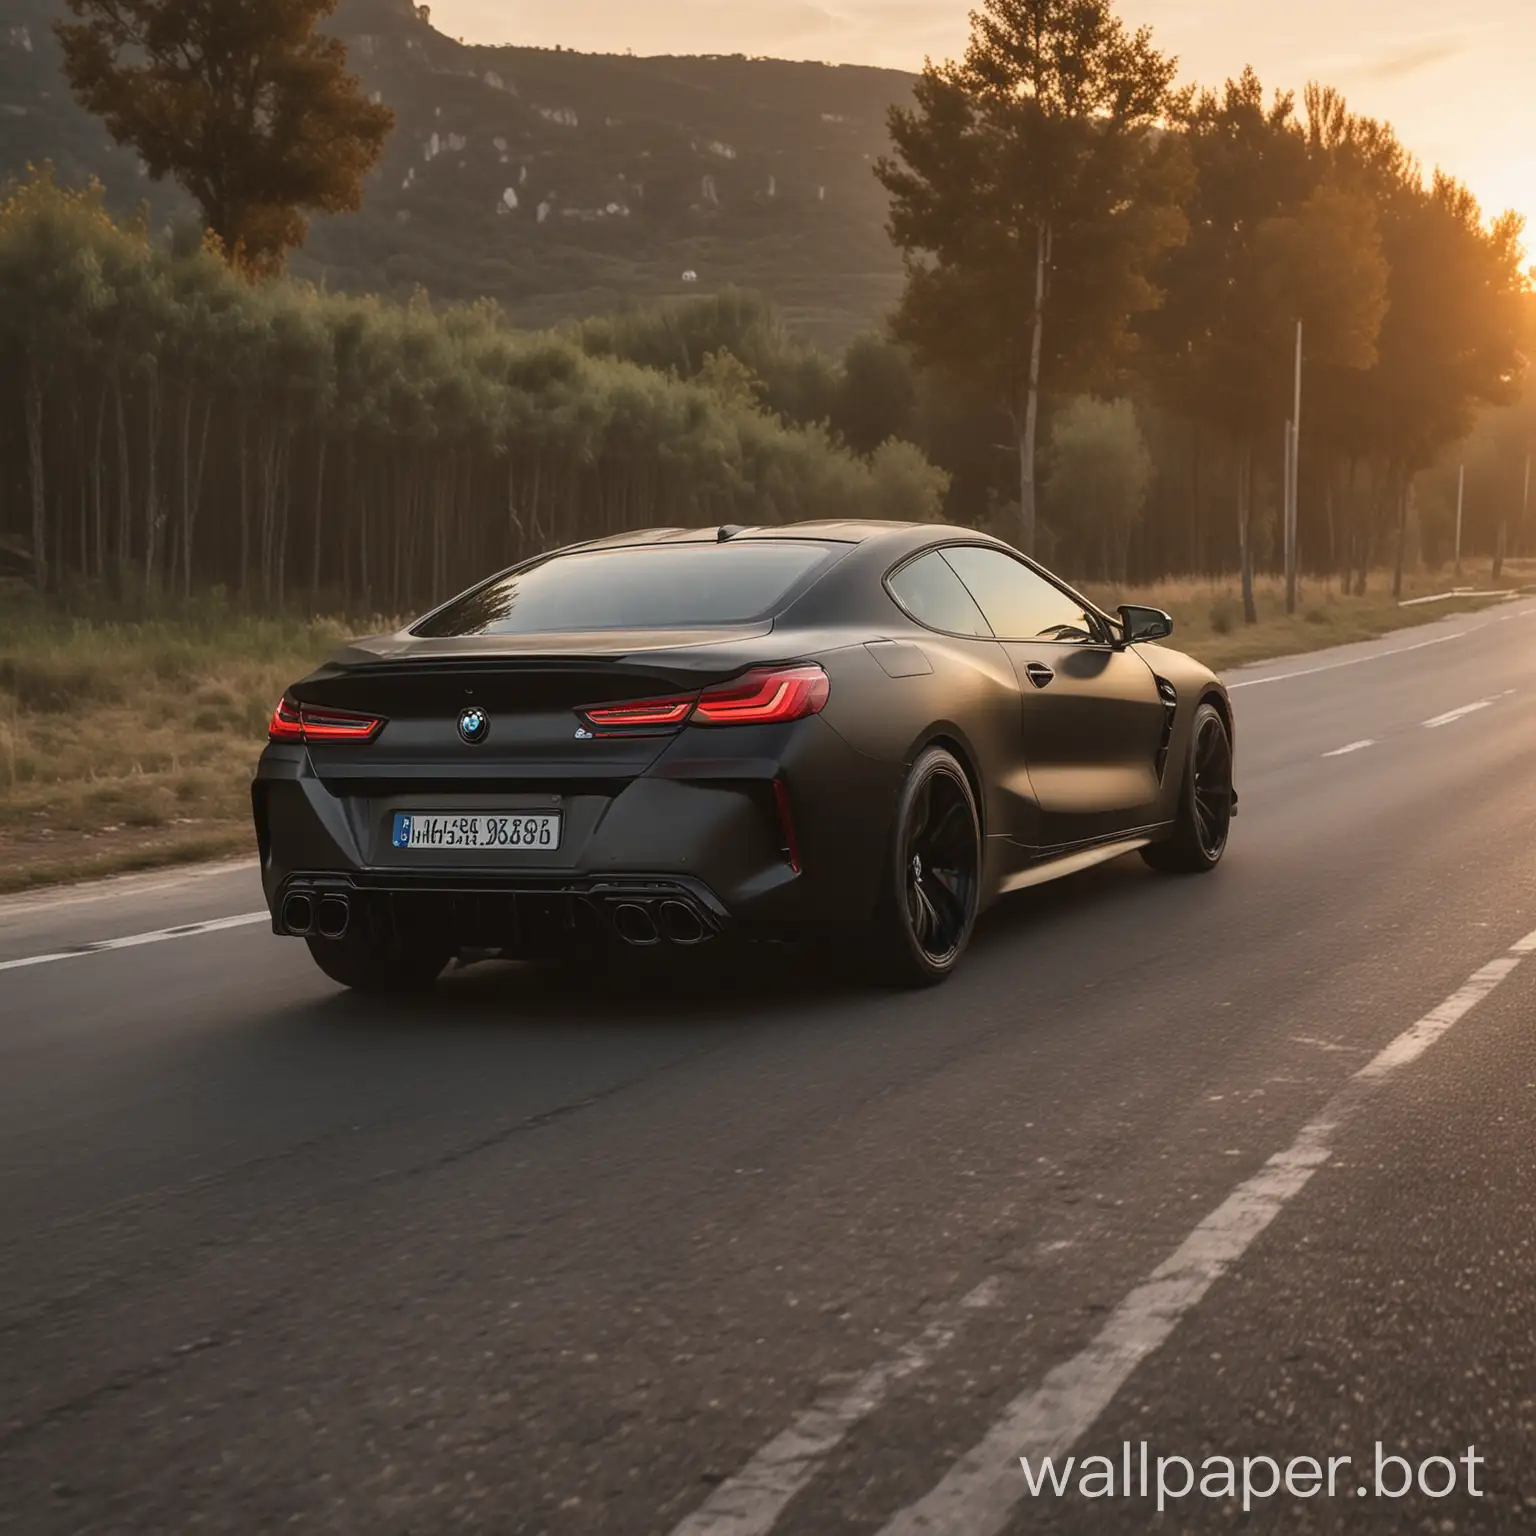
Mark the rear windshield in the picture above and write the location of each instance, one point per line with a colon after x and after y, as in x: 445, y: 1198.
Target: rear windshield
x: 657, y: 586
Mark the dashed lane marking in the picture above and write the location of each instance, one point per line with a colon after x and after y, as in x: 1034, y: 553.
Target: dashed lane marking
x: 1452, y: 715
x: 980, y: 1492
x: 133, y: 941
x: 750, y: 1503
x: 1354, y: 661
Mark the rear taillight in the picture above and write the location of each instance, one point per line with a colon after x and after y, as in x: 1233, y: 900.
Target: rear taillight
x: 331, y: 725
x: 302, y: 722
x: 285, y: 724
x: 766, y: 696
x: 644, y: 714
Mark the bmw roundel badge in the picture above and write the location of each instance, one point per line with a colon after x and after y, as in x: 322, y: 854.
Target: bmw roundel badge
x: 473, y: 725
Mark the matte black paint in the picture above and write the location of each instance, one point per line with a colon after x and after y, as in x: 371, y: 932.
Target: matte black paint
x: 1070, y: 746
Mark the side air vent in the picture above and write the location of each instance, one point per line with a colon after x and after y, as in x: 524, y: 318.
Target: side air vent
x: 1170, y: 697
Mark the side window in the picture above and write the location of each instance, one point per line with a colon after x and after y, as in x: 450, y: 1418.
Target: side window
x: 933, y: 594
x: 1018, y: 603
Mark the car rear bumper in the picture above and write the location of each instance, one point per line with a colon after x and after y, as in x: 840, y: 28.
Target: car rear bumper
x: 697, y: 841
x: 526, y: 916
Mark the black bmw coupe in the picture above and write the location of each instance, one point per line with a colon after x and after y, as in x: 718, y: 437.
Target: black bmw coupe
x: 671, y: 737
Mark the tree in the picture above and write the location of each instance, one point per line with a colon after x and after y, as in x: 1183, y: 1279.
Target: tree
x: 50, y: 286
x: 904, y: 485
x: 1453, y: 337
x: 731, y: 379
x: 241, y: 101
x: 1101, y: 469
x: 877, y: 394
x: 1032, y: 193
x: 1497, y: 460
x: 1273, y: 240
x: 797, y: 381
x: 165, y: 420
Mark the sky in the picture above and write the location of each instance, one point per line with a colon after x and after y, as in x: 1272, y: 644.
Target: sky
x: 1457, y: 80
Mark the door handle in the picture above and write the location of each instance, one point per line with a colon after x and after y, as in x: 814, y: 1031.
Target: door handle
x: 1039, y: 674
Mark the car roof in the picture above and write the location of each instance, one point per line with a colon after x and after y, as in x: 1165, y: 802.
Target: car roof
x: 839, y: 531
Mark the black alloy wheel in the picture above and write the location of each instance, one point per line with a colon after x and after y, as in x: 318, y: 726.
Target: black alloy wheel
x: 1212, y: 785
x: 1204, y: 823
x: 929, y: 906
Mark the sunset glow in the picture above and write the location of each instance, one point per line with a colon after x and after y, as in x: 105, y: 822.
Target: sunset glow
x: 1454, y: 81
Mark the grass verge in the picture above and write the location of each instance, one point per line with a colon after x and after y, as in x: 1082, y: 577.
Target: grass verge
x: 129, y: 746
x: 1208, y: 615
x: 126, y: 746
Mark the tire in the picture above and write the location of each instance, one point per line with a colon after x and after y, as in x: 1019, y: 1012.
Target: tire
x: 1204, y: 820
x: 932, y: 886
x: 365, y: 965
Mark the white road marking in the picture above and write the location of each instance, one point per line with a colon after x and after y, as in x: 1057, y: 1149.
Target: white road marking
x: 1466, y: 709
x: 1354, y: 746
x: 133, y: 941
x: 1526, y: 946
x: 1508, y: 594
x: 119, y: 887
x: 979, y: 1493
x: 750, y: 1503
x: 1354, y: 661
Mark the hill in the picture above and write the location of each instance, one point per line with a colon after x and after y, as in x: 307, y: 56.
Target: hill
x: 561, y: 184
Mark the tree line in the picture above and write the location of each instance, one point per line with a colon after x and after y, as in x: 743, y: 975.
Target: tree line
x: 168, y: 426
x: 1075, y: 222
x: 1107, y: 277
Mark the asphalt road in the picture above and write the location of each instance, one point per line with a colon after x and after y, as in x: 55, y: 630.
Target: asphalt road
x: 1236, y: 1167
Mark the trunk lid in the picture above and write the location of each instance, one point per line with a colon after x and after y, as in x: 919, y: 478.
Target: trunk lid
x: 530, y: 688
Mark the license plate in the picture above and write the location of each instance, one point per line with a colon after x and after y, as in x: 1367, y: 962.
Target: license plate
x: 496, y: 832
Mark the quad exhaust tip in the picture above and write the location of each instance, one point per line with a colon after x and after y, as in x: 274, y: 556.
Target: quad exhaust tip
x: 298, y: 915
x: 641, y: 925
x: 306, y: 917
x: 332, y: 917
x: 680, y: 924
x: 645, y: 924
x: 635, y: 925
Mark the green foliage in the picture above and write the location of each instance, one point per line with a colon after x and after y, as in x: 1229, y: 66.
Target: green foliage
x: 792, y: 377
x: 907, y: 487
x: 1454, y: 337
x: 163, y: 429
x: 878, y: 394
x: 241, y: 101
x: 274, y: 439
x: 796, y: 213
x: 1099, y: 477
x: 1032, y: 193
x: 1499, y: 495
x: 1275, y: 238
x: 1408, y: 299
x: 731, y: 379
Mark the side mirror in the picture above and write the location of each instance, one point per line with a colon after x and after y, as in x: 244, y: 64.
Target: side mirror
x: 1144, y: 624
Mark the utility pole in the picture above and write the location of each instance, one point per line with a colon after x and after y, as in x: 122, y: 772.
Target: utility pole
x: 1293, y: 485
x: 1461, y: 492
x: 1525, y: 507
x: 1285, y: 509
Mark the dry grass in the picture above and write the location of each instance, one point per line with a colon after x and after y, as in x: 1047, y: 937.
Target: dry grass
x: 130, y: 745
x: 1209, y: 624
x: 125, y: 745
